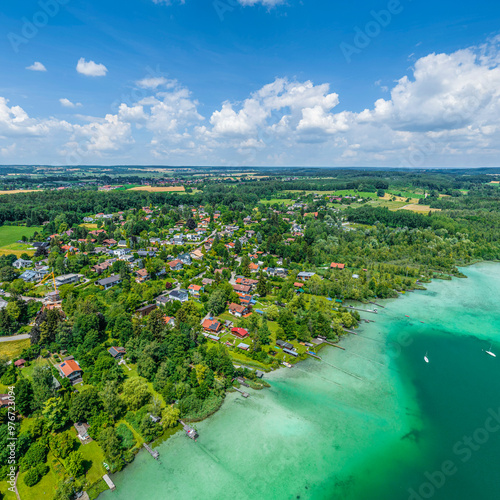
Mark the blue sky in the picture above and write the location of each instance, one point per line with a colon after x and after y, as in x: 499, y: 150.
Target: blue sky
x: 250, y: 82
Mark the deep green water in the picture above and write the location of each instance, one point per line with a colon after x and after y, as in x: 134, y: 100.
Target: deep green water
x: 372, y: 422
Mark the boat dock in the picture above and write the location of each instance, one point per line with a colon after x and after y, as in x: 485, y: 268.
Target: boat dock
x: 313, y: 354
x: 152, y: 452
x: 108, y: 481
x: 190, y: 432
x: 374, y: 311
x: 243, y: 393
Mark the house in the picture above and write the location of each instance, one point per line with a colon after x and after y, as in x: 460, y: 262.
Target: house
x: 162, y: 300
x: 169, y: 320
x: 122, y: 243
x: 142, y: 275
x: 254, y: 268
x: 121, y: 252
x: 197, y: 255
x: 145, y: 310
x: 211, y: 325
x: 335, y: 265
x: 3, y: 304
x: 242, y: 288
x: 70, y: 369
x: 185, y: 258
x: 237, y: 310
x: 20, y: 363
x: 298, y: 284
x: 180, y: 295
x: 20, y: 263
x: 239, y: 332
x: 117, y: 352
x: 109, y: 242
x: 305, y: 275
x: 82, y: 431
x: 284, y: 345
x: 195, y: 290
x: 175, y: 265
x: 67, y: 279
x: 243, y: 346
x: 207, y: 281
x: 107, y: 283
x: 28, y: 276
x: 178, y: 239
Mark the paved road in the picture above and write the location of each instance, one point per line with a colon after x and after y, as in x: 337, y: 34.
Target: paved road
x: 24, y: 336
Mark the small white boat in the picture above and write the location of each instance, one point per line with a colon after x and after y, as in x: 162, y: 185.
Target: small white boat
x: 492, y: 354
x: 426, y: 359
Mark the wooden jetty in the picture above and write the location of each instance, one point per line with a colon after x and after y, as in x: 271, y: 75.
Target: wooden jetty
x: 313, y: 354
x: 190, y: 432
x: 379, y: 305
x: 153, y: 453
x: 362, y: 310
x: 243, y: 393
x: 350, y: 331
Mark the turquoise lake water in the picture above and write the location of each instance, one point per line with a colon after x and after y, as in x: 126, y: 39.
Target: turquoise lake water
x: 371, y: 422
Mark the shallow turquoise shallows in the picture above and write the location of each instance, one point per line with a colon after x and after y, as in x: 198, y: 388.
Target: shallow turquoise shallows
x: 372, y: 422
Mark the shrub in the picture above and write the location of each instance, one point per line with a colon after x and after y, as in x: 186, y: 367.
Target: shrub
x: 32, y: 477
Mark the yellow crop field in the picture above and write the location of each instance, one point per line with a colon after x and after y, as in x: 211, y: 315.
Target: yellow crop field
x: 160, y: 189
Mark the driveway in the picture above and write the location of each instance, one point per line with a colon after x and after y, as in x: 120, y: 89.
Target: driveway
x: 24, y: 336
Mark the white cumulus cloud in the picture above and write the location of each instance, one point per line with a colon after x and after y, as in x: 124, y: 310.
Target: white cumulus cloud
x: 36, y: 66
x: 90, y: 68
x: 68, y: 104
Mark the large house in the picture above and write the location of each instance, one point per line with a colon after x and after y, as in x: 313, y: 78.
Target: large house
x: 305, y: 275
x: 180, y: 295
x: 107, y: 283
x: 175, y: 265
x: 70, y: 369
x: 239, y: 332
x: 211, y: 325
x: 237, y: 310
x: 20, y: 263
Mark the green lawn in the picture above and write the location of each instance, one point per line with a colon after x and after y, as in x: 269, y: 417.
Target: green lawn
x: 10, y: 234
x: 47, y: 486
x: 286, y: 201
x: 93, y: 454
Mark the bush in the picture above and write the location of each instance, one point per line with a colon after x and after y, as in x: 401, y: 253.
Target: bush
x: 126, y: 436
x: 32, y: 477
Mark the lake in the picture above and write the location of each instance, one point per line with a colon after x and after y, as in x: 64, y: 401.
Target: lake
x: 372, y: 422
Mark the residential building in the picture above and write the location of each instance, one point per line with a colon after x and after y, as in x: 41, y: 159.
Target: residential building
x: 180, y: 295
x: 237, y: 310
x: 70, y: 369
x: 117, y: 352
x: 195, y: 290
x: 211, y: 325
x: 20, y: 263
x: 107, y: 283
x: 175, y: 265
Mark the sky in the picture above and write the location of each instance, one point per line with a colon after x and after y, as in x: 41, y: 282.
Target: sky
x: 384, y: 83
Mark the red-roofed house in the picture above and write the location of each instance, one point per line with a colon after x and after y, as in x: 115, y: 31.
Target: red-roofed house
x: 298, y: 285
x: 239, y: 332
x: 211, y: 325
x: 195, y: 290
x: 69, y: 369
x: 335, y: 265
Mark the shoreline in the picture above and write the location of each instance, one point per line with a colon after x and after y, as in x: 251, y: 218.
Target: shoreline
x: 277, y: 371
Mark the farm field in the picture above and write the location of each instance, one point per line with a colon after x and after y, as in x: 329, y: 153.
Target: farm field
x: 160, y: 189
x: 14, y: 348
x: 16, y: 191
x: 9, y: 235
x: 423, y: 209
x: 272, y: 201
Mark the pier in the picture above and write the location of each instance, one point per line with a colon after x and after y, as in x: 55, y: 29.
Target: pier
x: 152, y: 452
x: 374, y: 311
x: 313, y: 354
x: 243, y: 393
x: 190, y: 432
